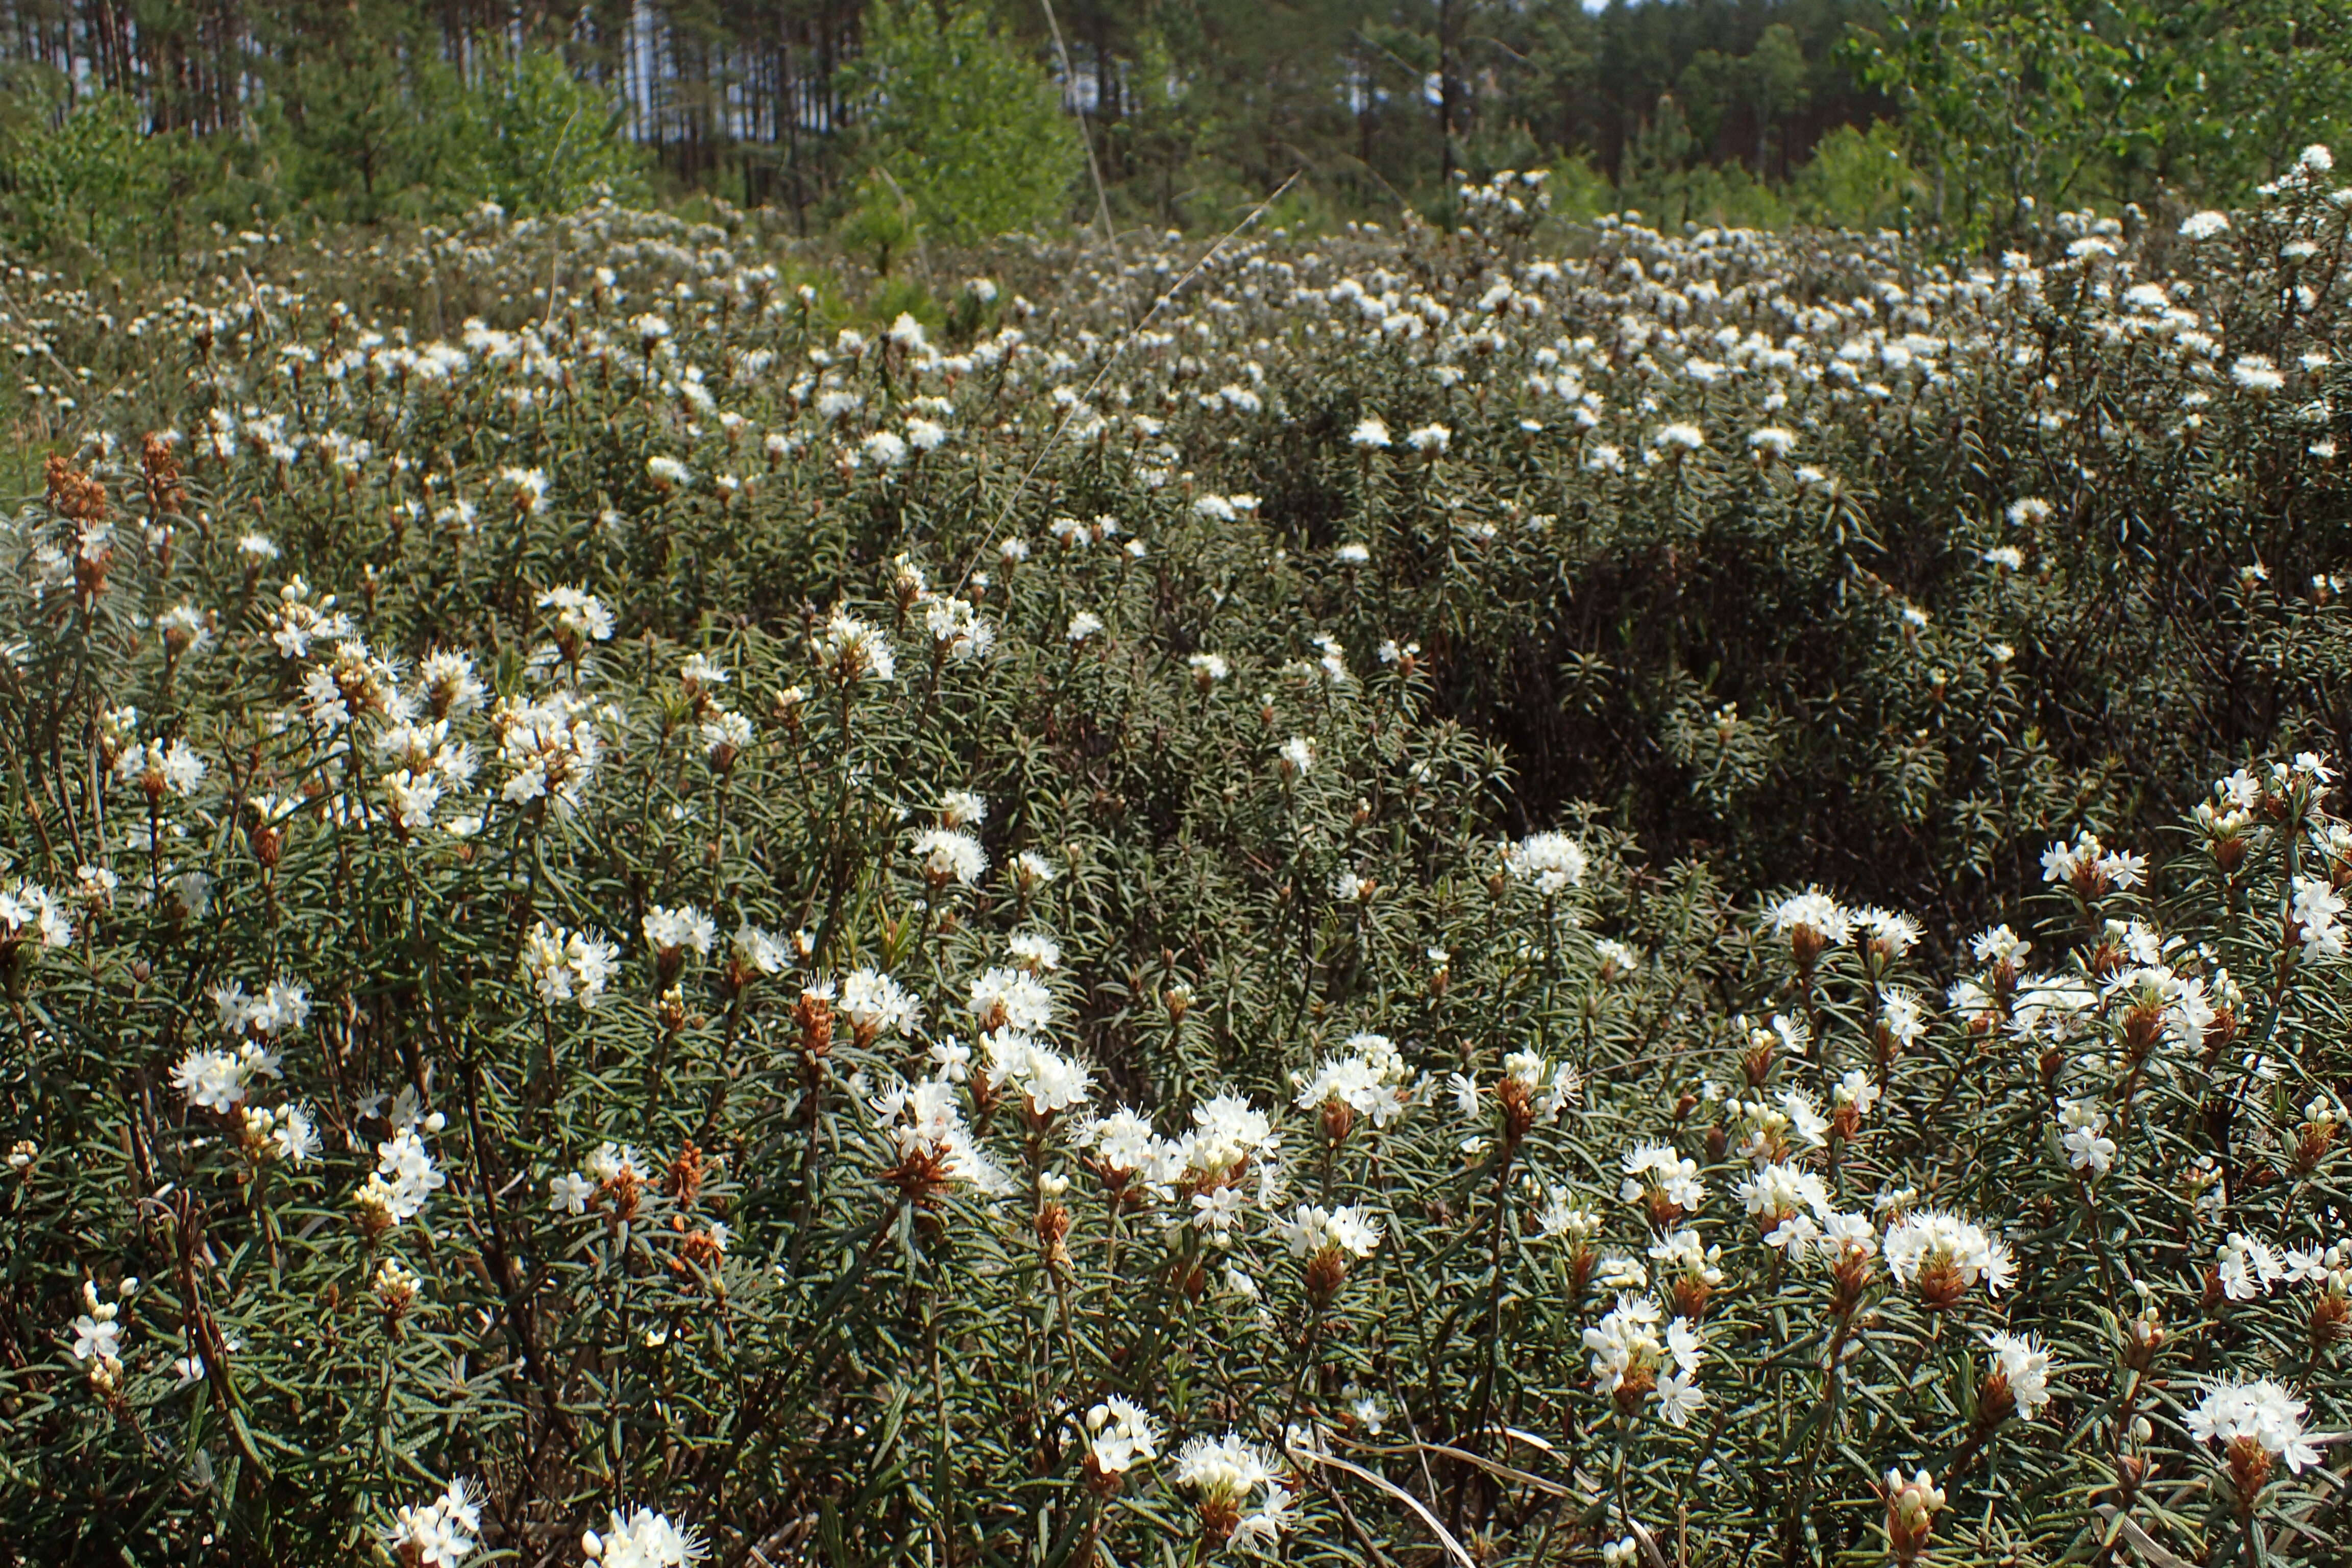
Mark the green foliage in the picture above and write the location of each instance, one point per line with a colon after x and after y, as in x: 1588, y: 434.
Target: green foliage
x: 374, y: 127
x: 382, y: 127
x: 85, y: 178
x: 884, y: 226
x: 965, y: 122
x: 534, y: 137
x: 362, y: 129
x: 1859, y: 179
x: 584, y: 888
x: 2006, y: 108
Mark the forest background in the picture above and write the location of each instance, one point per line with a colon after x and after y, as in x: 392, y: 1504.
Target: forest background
x: 136, y: 128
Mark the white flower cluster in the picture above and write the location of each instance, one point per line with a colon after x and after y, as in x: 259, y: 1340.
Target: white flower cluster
x: 1119, y: 1433
x: 642, y: 1539
x: 1940, y: 1253
x: 550, y: 750
x: 1369, y: 1077
x: 1629, y: 1354
x: 1551, y: 863
x: 441, y: 1533
x: 1314, y: 1228
x: 563, y: 965
x: 29, y: 913
x: 404, y: 1178
x: 2259, y: 1411
x: 1224, y: 1472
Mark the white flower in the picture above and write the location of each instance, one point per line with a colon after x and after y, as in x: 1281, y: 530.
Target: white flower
x: 550, y: 750
x: 2089, y: 867
x: 1679, y: 1397
x: 1429, y: 439
x: 2257, y: 374
x: 2204, y: 225
x: 725, y: 736
x: 184, y: 629
x: 1033, y: 951
x: 1369, y: 1080
x: 958, y: 630
x: 933, y: 1129
x: 1120, y: 1432
x: 949, y: 856
x: 1261, y: 1529
x: 528, y: 486
x: 212, y: 1080
x: 1369, y: 432
x: 2262, y: 1411
x: 405, y: 1177
x: 1464, y: 1090
x: 2318, y: 906
x: 851, y: 650
x: 1680, y: 438
x: 1943, y: 1255
x: 874, y: 1003
x: 673, y: 933
x: 2087, y: 1148
x: 1551, y: 862
x: 28, y: 911
x: 2247, y: 1268
x: 1855, y: 1089
x: 2022, y: 1363
x: 1617, y: 960
x: 1295, y: 757
x: 570, y: 1193
x: 1805, y: 1118
x: 1816, y: 912
x: 1222, y: 1470
x: 1011, y: 999
x: 1083, y: 624
x: 96, y: 1332
x: 1654, y: 1172
x: 567, y: 966
x: 160, y: 767
x: 1626, y: 1346
x: 1312, y: 1228
x: 642, y: 1539
x: 1778, y: 1193
x: 579, y: 616
x: 441, y: 1533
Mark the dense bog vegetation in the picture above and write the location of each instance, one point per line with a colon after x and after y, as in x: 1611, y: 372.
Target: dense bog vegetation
x: 1487, y: 898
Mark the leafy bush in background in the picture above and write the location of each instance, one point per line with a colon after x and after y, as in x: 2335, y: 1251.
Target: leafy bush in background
x: 384, y: 129
x: 1455, y: 898
x: 91, y: 179
x: 967, y: 127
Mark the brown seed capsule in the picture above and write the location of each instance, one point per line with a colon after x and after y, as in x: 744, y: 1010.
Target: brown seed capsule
x: 1323, y: 1274
x: 2329, y: 1315
x: 2250, y: 1470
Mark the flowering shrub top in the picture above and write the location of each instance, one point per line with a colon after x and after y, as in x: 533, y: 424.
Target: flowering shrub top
x: 658, y: 934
